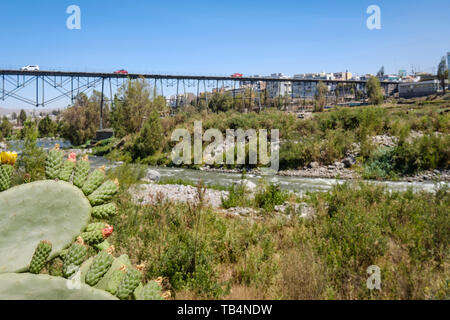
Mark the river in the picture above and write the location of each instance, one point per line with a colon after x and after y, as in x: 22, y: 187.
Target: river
x: 296, y: 184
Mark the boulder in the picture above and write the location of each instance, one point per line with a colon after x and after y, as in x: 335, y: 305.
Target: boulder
x: 314, y: 165
x: 152, y: 176
x: 248, y: 184
x: 349, y: 161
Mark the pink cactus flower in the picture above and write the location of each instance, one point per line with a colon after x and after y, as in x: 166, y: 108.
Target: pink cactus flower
x: 72, y: 157
x: 107, y: 231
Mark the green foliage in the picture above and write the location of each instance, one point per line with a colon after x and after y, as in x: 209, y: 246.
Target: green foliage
x: 134, y: 103
x: 46, y: 127
x: 81, y: 121
x: 237, y: 197
x: 270, y: 195
x: 5, y: 128
x: 374, y: 91
x: 22, y: 118
x: 320, y: 97
x: 150, y: 138
x: 32, y: 157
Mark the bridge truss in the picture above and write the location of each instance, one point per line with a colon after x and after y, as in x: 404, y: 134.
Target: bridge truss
x: 43, y: 88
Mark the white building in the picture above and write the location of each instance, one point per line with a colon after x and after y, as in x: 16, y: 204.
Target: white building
x: 278, y: 88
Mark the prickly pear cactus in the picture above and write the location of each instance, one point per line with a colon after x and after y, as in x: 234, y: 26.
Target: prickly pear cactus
x: 97, y: 236
x: 81, y: 172
x: 54, y: 210
x: 5, y: 176
x: 104, y: 193
x: 29, y: 213
x: 111, y: 280
x: 54, y: 163
x: 100, y: 265
x: 40, y: 256
x: 94, y: 181
x: 74, y: 258
x: 104, y: 211
x: 27, y: 286
x: 151, y: 291
x: 128, y: 284
x: 67, y: 168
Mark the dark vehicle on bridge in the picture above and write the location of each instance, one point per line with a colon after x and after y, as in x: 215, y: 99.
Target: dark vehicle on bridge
x: 121, y: 71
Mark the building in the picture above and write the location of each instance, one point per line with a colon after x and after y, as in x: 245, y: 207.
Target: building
x: 278, y: 88
x: 402, y: 73
x: 418, y: 89
x: 308, y: 89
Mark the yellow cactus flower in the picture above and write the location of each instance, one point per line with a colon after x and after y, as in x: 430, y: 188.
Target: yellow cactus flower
x: 8, y: 158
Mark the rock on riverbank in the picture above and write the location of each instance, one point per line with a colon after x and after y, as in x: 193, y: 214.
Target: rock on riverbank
x: 152, y: 193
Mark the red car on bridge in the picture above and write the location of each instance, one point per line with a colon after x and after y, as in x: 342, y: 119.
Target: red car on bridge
x: 121, y: 71
x: 237, y: 75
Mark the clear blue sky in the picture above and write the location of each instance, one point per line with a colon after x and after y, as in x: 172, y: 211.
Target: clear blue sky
x: 223, y: 37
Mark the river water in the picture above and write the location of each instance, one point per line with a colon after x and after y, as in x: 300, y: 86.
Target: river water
x: 296, y: 184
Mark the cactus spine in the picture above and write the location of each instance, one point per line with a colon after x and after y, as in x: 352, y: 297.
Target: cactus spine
x: 40, y: 256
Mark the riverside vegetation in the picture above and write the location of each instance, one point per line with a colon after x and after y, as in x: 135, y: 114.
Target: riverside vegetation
x: 198, y: 252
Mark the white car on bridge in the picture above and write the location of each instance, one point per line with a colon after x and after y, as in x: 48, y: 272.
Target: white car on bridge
x: 30, y: 68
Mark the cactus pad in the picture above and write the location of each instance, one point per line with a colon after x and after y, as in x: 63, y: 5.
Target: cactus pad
x: 104, y: 193
x: 40, y: 256
x: 151, y: 291
x: 128, y: 284
x: 5, y: 176
x: 81, y: 172
x: 66, y: 170
x: 53, y: 210
x: 54, y: 163
x: 100, y: 265
x: 28, y: 286
x: 74, y: 258
x: 94, y: 181
x: 104, y: 211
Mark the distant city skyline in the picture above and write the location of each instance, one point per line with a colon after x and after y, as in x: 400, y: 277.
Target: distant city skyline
x: 222, y: 38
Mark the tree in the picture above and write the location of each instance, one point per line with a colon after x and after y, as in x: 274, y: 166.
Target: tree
x: 221, y: 102
x: 442, y: 73
x: 32, y: 157
x: 374, y: 91
x: 22, y: 118
x: 46, y: 127
x: 5, y: 127
x: 150, y: 138
x: 81, y: 121
x: 320, y: 97
x: 14, y: 116
x: 132, y: 105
